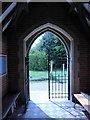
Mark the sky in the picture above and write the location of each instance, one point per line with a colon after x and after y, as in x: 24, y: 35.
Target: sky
x: 37, y: 40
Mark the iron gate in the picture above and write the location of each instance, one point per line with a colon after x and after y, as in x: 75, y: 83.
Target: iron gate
x: 59, y: 86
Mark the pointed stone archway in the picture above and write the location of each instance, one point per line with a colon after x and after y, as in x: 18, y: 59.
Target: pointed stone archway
x: 66, y: 39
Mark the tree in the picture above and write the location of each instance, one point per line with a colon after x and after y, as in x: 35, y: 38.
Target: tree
x: 49, y: 46
x: 38, y: 60
x: 52, y: 45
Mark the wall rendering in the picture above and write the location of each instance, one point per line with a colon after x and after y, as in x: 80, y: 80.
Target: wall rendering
x: 56, y: 14
x: 4, y: 76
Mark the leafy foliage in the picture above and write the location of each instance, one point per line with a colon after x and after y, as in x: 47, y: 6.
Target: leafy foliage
x: 38, y: 60
x: 52, y: 45
x: 49, y: 45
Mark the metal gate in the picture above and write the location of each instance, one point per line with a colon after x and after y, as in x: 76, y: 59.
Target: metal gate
x: 59, y: 83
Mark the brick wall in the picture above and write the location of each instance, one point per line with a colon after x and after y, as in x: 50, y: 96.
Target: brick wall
x: 30, y: 21
x: 4, y: 78
x: 84, y: 64
x: 0, y: 77
x: 12, y: 62
x: 89, y: 65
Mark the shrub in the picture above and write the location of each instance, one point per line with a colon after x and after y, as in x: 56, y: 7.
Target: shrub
x: 38, y: 60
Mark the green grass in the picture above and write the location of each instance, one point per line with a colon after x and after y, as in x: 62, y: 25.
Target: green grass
x: 58, y: 77
x: 38, y: 74
x: 44, y: 74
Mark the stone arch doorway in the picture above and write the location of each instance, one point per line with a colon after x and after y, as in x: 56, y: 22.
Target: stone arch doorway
x: 49, y: 69
x: 66, y: 39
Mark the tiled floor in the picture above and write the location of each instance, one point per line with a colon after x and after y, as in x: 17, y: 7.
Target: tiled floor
x: 51, y: 110
x: 64, y: 109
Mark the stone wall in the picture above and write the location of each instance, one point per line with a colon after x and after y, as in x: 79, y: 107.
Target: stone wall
x: 4, y: 78
x: 30, y: 21
x: 89, y: 65
x: 84, y: 64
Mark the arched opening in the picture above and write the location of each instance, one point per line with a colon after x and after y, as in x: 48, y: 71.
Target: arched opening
x: 67, y: 42
x: 48, y: 68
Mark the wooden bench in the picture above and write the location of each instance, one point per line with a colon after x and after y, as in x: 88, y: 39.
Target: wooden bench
x: 83, y: 101
x: 9, y: 103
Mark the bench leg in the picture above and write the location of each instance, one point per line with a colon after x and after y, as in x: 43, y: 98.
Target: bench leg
x: 14, y: 104
x: 12, y: 109
x: 75, y: 103
x: 74, y: 106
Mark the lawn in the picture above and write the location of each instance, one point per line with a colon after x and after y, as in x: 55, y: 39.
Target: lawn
x: 44, y: 74
x: 38, y: 74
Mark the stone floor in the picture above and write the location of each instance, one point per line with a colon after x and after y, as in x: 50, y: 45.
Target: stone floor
x: 50, y: 110
x: 41, y: 107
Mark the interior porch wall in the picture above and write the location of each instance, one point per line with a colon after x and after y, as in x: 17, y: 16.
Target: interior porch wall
x: 17, y: 75
x: 77, y: 80
x: 89, y: 65
x: 4, y: 78
x: 12, y: 62
x: 27, y: 24
x: 84, y: 64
